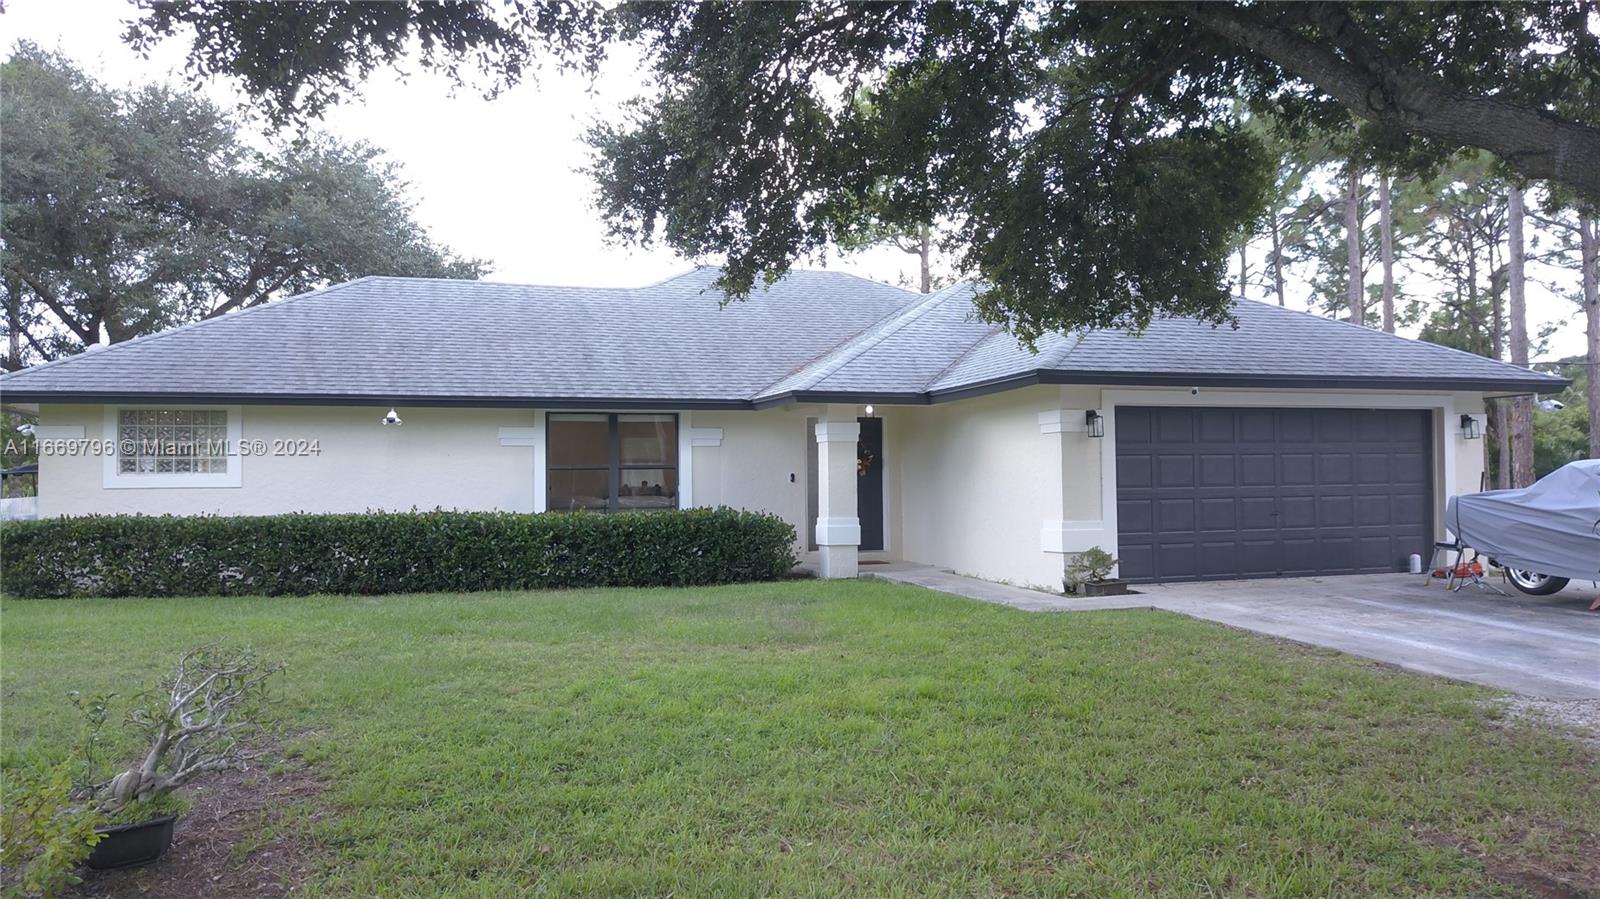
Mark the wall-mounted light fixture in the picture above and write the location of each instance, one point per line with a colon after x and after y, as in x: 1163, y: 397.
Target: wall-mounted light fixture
x: 1094, y: 423
x: 869, y: 411
x: 1470, y: 429
x: 393, y: 418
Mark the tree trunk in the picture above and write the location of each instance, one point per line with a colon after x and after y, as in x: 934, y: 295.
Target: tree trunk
x: 1355, y: 291
x: 1589, y: 243
x: 1277, y: 257
x: 1386, y: 233
x: 926, y: 247
x: 1502, y: 443
x: 1522, y: 406
x: 13, y: 287
x: 1244, y: 267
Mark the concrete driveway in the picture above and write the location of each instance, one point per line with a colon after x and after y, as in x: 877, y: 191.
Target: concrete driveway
x: 1544, y: 647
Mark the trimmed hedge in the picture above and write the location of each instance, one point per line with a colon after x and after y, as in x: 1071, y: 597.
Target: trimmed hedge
x: 382, y: 552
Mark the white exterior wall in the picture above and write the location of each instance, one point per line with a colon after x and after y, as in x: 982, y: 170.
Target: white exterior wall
x: 439, y: 458
x: 760, y: 463
x: 1005, y: 486
x: 977, y: 481
x: 1015, y: 485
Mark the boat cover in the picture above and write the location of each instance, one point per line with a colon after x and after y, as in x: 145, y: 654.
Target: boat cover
x: 1552, y: 527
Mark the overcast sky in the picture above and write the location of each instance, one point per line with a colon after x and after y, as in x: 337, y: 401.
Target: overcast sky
x: 497, y: 178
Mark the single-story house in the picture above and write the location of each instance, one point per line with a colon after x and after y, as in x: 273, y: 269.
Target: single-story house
x: 884, y: 424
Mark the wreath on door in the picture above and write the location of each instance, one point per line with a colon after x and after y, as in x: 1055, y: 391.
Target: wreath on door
x: 864, y: 460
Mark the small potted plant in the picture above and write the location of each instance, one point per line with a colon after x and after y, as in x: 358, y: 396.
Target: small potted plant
x: 1089, y: 574
x: 194, y: 722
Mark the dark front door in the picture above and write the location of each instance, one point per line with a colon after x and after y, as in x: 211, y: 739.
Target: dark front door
x: 1239, y: 493
x: 869, y: 483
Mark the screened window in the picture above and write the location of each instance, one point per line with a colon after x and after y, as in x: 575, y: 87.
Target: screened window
x: 172, y: 441
x: 612, y: 462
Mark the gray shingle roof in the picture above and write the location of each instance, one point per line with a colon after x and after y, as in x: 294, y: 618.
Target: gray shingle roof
x: 813, y: 335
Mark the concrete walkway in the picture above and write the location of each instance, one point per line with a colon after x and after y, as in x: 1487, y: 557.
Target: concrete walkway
x: 1545, y: 647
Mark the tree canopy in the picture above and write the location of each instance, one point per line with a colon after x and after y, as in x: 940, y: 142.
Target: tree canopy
x: 1091, y: 156
x: 130, y: 211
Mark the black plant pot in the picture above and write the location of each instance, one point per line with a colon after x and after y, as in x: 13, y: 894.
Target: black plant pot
x: 1116, y: 587
x: 126, y: 845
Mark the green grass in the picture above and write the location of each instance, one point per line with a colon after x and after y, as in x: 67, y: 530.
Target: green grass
x: 841, y: 739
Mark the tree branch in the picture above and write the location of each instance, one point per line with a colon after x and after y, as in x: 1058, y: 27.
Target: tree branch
x: 54, y: 303
x: 1535, y: 143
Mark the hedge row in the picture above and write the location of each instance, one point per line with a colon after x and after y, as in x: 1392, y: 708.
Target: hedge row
x: 408, y: 552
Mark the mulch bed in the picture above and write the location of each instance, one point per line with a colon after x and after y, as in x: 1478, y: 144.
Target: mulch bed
x: 228, y: 842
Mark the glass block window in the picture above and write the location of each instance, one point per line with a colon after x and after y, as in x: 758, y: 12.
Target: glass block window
x: 172, y: 441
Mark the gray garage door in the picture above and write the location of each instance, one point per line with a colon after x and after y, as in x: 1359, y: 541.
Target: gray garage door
x: 1240, y: 493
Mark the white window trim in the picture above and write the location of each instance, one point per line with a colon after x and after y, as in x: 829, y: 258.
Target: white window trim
x: 114, y: 479
x: 688, y: 439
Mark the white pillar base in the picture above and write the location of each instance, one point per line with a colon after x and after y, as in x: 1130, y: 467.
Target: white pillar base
x: 837, y: 562
x: 838, y: 527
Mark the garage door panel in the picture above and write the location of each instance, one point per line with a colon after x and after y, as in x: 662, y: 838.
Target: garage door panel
x: 1175, y: 470
x: 1334, y: 426
x: 1301, y: 555
x: 1377, y: 552
x: 1257, y: 469
x: 1217, y: 470
x: 1374, y: 467
x: 1335, y: 512
x: 1135, y: 516
x: 1258, y: 513
x: 1133, y: 425
x: 1410, y: 428
x: 1373, y: 511
x: 1297, y: 426
x: 1216, y: 426
x: 1135, y: 557
x: 1257, y: 427
x: 1410, y: 508
x: 1372, y: 426
x: 1175, y: 515
x: 1297, y: 468
x: 1219, y: 514
x: 1177, y: 557
x: 1336, y: 468
x: 1174, y: 426
x: 1297, y: 511
x: 1135, y: 470
x: 1218, y: 559
x: 1408, y: 468
x: 1222, y: 492
x: 1260, y: 558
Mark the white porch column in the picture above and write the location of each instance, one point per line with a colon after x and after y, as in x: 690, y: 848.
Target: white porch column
x: 838, y: 527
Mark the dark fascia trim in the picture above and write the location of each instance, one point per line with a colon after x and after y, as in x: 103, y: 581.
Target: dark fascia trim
x: 815, y: 396
x: 1278, y: 382
x: 397, y: 400
x: 1353, y: 382
x: 1521, y: 387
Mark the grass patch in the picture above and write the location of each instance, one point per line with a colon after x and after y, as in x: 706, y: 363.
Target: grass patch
x: 817, y: 738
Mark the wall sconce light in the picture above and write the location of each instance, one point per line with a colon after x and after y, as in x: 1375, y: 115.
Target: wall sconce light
x: 1470, y: 429
x: 1094, y: 423
x: 869, y: 411
x: 393, y: 418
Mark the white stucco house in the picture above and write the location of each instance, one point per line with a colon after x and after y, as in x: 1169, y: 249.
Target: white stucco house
x: 883, y: 424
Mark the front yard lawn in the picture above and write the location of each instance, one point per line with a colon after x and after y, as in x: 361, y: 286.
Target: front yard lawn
x: 812, y: 738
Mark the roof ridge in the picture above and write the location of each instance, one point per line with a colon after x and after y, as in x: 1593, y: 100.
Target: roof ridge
x: 971, y: 348
x: 854, y: 346
x: 654, y: 284
x: 874, y: 282
x: 188, y: 326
